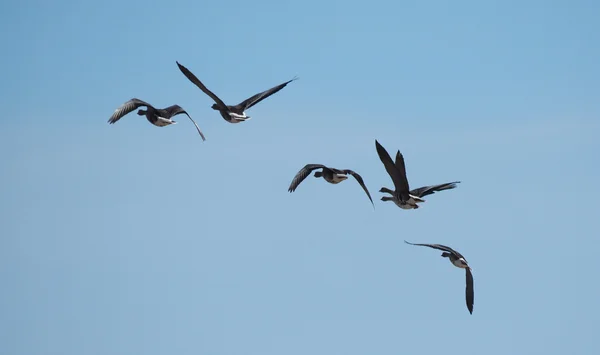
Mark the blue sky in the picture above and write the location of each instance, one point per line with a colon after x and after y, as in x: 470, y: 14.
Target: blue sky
x: 134, y: 239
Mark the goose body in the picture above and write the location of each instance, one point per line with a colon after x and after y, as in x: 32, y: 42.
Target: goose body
x: 331, y: 176
x: 409, y: 204
x: 157, y: 120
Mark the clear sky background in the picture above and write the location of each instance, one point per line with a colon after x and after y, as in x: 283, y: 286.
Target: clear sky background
x: 134, y: 239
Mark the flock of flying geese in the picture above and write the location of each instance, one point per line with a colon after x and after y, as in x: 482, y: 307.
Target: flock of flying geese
x: 402, y: 196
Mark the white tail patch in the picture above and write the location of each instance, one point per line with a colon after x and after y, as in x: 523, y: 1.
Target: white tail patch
x: 239, y: 117
x: 161, y: 121
x: 337, y: 178
x: 416, y: 199
x: 461, y: 263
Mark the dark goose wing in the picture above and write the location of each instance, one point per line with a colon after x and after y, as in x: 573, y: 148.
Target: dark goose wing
x: 302, y: 174
x: 428, y: 190
x: 400, y: 184
x: 361, y: 182
x: 469, y: 293
x: 401, y: 168
x: 126, y: 108
x: 249, y: 102
x: 439, y: 247
x: 175, y: 110
x: 191, y: 77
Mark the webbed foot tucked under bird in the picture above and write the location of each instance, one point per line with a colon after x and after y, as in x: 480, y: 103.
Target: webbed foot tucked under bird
x: 237, y: 113
x: 459, y: 261
x: 402, y: 196
x: 159, y: 117
x: 331, y: 175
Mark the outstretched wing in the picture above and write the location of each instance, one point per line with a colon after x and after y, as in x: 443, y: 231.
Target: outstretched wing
x: 302, y: 174
x: 361, y: 182
x: 469, y: 293
x: 439, y: 247
x: 400, y: 183
x: 175, y: 110
x: 428, y: 190
x: 191, y: 77
x: 249, y: 102
x: 126, y: 108
x: 401, y: 168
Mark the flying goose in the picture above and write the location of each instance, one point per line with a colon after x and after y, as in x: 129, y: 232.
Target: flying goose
x: 331, y: 175
x: 159, y: 117
x: 459, y: 261
x: 403, y: 197
x: 232, y: 114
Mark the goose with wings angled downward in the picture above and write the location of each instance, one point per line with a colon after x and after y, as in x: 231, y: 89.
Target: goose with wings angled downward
x: 331, y: 175
x: 459, y: 261
x: 236, y: 113
x: 159, y: 117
